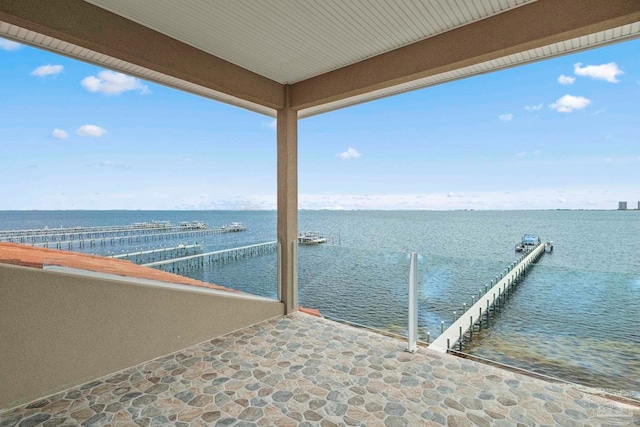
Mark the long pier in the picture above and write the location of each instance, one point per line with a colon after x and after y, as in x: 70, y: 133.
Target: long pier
x: 55, y: 234
x: 194, y: 262
x: 126, y: 240
x: 492, y: 300
x: 160, y: 254
x: 120, y: 233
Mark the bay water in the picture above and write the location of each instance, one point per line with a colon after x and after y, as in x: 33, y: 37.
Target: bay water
x: 576, y: 316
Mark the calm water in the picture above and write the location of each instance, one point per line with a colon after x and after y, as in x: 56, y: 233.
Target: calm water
x: 576, y: 316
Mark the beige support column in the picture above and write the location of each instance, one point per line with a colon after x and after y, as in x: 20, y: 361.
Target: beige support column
x: 288, y: 203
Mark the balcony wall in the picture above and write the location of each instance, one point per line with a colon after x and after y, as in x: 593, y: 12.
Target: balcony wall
x: 60, y: 329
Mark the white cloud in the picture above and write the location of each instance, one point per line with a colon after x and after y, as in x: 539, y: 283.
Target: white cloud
x: 569, y: 103
x: 451, y: 195
x: 506, y: 117
x: 351, y: 153
x: 566, y: 80
x: 9, y: 45
x: 91, y: 130
x: 272, y: 124
x: 536, y: 107
x: 608, y: 72
x: 47, y: 70
x: 521, y: 154
x: 112, y: 83
x: 110, y: 164
x: 59, y: 134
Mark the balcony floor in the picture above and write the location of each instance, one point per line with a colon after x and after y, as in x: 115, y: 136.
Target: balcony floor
x: 307, y: 371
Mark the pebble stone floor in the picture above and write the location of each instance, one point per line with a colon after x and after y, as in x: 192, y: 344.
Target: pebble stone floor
x: 301, y: 370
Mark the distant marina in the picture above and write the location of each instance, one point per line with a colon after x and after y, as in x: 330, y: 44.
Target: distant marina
x: 79, y: 237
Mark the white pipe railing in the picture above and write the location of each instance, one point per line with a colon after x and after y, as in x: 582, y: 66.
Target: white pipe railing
x: 412, y: 337
x: 294, y: 283
x: 278, y: 270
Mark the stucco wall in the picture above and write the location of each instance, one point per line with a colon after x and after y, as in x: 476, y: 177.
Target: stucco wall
x: 59, y: 330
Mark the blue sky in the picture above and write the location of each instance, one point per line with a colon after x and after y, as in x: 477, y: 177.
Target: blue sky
x: 558, y: 134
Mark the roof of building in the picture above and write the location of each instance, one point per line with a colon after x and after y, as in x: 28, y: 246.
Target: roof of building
x: 30, y: 256
x: 35, y: 257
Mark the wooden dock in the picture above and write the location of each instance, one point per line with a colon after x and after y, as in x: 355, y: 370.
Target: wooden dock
x: 161, y: 254
x: 492, y: 300
x: 194, y: 262
x: 67, y: 238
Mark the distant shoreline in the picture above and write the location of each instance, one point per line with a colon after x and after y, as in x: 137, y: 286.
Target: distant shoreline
x: 320, y: 210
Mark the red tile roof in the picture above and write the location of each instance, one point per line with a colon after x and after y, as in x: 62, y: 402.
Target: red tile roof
x: 29, y: 256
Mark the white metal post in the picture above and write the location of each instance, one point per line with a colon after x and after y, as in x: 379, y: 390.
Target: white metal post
x: 294, y: 252
x: 278, y: 272
x: 413, y: 304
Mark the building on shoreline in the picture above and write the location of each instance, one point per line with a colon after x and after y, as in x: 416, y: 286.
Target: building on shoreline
x: 622, y: 206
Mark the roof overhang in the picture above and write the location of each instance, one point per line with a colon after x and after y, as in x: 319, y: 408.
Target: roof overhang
x: 164, y: 43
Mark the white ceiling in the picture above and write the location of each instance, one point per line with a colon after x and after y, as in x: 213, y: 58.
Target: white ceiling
x: 625, y: 32
x: 71, y: 50
x: 293, y: 40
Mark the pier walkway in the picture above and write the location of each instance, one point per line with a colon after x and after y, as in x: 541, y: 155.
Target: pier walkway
x: 122, y: 240
x: 193, y: 262
x: 66, y: 238
x: 491, y: 301
x: 160, y: 254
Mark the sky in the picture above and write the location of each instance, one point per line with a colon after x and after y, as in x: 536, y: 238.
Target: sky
x: 558, y: 134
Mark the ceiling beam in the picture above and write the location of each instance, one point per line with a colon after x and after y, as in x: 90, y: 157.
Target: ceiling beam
x: 531, y: 26
x: 93, y: 28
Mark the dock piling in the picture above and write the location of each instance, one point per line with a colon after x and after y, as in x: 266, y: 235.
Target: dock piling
x: 107, y: 235
x: 500, y: 290
x: 187, y: 263
x: 413, y: 304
